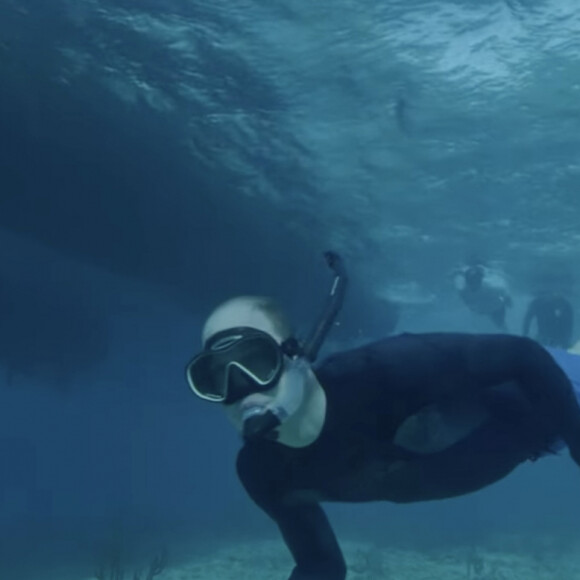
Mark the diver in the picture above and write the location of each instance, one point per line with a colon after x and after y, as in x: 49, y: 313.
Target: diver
x: 554, y: 318
x: 408, y: 418
x: 484, y: 291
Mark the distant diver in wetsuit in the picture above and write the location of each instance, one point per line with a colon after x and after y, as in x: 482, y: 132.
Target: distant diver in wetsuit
x: 409, y: 418
x: 554, y: 318
x: 484, y: 292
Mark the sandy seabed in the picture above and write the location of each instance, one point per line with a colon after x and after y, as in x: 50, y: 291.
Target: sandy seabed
x: 269, y: 560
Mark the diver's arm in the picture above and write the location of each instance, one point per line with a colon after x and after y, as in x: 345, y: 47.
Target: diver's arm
x: 308, y: 535
x: 304, y: 526
x: 495, y: 359
x: 453, y: 365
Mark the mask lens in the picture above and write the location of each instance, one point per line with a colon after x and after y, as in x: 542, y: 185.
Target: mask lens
x: 207, y: 377
x: 260, y: 358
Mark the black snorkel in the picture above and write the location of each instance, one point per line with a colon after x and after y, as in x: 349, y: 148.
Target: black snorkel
x: 264, y: 425
x: 333, y: 305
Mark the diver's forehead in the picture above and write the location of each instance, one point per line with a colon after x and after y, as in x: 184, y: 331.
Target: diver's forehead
x: 237, y: 315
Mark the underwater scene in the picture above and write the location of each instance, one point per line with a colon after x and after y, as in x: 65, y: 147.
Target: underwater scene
x: 289, y: 290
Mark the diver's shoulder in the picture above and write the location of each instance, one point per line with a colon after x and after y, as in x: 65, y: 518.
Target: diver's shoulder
x: 340, y: 365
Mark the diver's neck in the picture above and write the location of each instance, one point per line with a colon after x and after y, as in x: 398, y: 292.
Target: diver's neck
x: 305, y: 426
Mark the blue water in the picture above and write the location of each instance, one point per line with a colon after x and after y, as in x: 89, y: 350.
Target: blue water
x: 160, y: 156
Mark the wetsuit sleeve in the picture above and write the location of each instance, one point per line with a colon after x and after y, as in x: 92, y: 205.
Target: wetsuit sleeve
x: 304, y: 525
x: 404, y: 374
x: 495, y: 359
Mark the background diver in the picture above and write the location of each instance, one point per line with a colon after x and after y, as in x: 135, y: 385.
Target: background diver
x: 409, y: 418
x: 484, y: 292
x: 554, y: 317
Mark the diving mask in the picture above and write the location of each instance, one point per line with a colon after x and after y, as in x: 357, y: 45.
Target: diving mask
x: 238, y: 362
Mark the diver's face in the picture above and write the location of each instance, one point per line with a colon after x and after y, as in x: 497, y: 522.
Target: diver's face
x: 253, y: 318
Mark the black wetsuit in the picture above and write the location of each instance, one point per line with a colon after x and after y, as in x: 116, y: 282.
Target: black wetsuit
x: 554, y: 318
x: 520, y: 400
